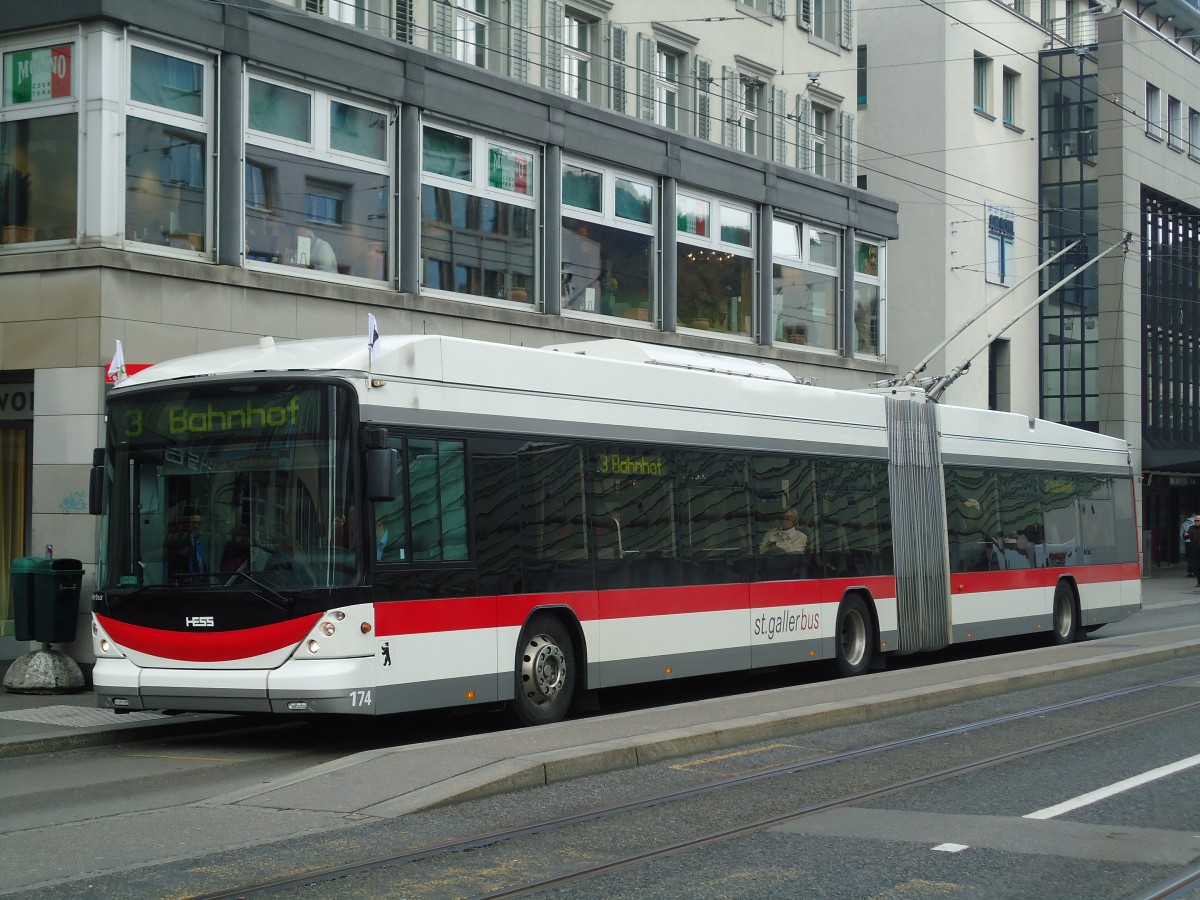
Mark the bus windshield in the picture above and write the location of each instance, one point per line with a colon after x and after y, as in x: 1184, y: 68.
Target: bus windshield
x: 230, y: 485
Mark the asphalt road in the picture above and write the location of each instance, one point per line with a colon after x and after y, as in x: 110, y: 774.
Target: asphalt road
x: 140, y: 820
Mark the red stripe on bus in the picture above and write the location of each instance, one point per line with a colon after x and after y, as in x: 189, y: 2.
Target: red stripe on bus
x: 1016, y: 579
x: 460, y: 614
x: 208, y: 646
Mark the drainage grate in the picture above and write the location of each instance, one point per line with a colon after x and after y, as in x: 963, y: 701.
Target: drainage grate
x: 78, y: 716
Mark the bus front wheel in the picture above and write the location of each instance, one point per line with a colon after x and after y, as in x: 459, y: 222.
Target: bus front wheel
x: 854, y: 637
x: 545, y: 671
x: 1066, y: 615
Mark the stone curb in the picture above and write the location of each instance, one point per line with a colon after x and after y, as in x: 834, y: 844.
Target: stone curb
x: 564, y: 764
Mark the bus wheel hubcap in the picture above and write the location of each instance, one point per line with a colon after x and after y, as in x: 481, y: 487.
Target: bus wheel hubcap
x: 543, y: 670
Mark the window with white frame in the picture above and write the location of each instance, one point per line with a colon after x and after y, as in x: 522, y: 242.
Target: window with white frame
x: 491, y: 34
x: 982, y: 83
x: 668, y: 64
x: 824, y: 137
x: 1175, y: 123
x: 749, y: 109
x: 715, y: 264
x: 823, y: 153
x: 317, y: 182
x: 1000, y: 236
x: 1153, y: 112
x: 804, y: 285
x: 39, y: 141
x: 869, y: 304
x: 168, y: 169
x: 826, y: 19
x: 608, y: 232
x: 578, y: 38
x: 388, y: 18
x: 1193, y: 133
x: 478, y: 216
x: 1011, y: 88
x: 471, y: 31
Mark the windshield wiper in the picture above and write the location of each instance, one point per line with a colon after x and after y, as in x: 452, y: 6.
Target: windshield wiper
x: 284, y: 603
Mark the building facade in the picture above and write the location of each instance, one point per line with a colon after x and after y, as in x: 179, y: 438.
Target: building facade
x: 1050, y: 127
x: 191, y: 176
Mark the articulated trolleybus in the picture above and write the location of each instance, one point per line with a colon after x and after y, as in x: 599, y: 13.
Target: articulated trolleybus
x: 306, y: 528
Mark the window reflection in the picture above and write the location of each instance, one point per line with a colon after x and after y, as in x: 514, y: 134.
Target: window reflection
x: 606, y: 270
x: 716, y: 290
x: 164, y: 185
x: 805, y: 307
x: 38, y: 189
x: 314, y: 215
x: 474, y: 245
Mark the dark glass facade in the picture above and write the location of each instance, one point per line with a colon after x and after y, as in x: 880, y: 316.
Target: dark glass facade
x: 1069, y: 329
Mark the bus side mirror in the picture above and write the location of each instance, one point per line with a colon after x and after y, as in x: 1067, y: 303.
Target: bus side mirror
x: 96, y: 483
x: 381, y: 473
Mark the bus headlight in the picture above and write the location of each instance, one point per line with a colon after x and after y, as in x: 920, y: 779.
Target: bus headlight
x: 313, y: 647
x: 328, y: 628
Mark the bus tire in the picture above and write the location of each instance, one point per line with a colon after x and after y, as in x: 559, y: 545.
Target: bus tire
x: 854, y: 637
x: 1066, y: 615
x: 545, y: 671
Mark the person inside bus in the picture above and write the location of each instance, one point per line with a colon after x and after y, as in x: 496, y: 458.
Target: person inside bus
x: 187, y: 552
x: 787, y: 538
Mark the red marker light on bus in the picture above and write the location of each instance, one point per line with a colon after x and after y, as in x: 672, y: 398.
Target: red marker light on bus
x: 365, y: 627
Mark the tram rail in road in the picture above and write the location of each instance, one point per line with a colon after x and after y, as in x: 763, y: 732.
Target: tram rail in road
x: 492, y: 839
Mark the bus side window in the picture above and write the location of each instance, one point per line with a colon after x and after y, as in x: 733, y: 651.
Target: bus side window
x: 438, y: 490
x: 391, y: 527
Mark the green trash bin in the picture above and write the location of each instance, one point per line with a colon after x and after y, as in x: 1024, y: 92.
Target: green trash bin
x: 56, y: 587
x: 20, y: 579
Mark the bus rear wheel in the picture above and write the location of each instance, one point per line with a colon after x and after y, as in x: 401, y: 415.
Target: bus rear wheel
x: 545, y: 671
x: 1066, y: 615
x: 853, y: 637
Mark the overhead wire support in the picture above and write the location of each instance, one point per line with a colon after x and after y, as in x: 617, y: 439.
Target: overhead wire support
x: 937, y: 390
x: 910, y: 378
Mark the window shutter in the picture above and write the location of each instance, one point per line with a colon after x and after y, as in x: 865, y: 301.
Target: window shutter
x: 404, y: 21
x: 552, y: 49
x: 617, y: 37
x: 779, y: 125
x: 779, y: 9
x: 847, y: 24
x: 730, y: 81
x: 518, y: 39
x: 848, y: 148
x: 804, y: 14
x: 645, y: 63
x: 804, y: 134
x: 441, y: 35
x: 704, y: 98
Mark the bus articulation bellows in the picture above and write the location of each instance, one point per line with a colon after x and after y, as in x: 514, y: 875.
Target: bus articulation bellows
x: 304, y: 528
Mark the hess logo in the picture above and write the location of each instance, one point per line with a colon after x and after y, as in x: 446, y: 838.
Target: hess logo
x: 198, y: 621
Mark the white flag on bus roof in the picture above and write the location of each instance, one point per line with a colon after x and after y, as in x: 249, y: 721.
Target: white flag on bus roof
x: 116, y: 369
x: 372, y: 336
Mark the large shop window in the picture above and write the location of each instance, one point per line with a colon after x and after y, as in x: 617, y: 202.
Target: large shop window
x: 868, y: 299
x: 715, y: 259
x: 804, y: 285
x: 607, y: 243
x: 318, y: 187
x: 39, y: 144
x: 167, y: 133
x: 478, y: 216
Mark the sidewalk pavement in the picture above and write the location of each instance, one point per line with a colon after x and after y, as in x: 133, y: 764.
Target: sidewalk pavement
x: 423, y: 775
